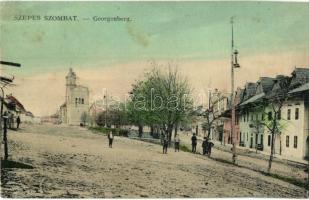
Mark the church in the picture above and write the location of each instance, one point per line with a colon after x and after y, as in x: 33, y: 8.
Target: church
x: 76, y: 101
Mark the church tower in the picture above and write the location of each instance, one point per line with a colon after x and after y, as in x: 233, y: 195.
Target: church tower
x: 71, y: 78
x: 76, y: 101
x: 70, y: 85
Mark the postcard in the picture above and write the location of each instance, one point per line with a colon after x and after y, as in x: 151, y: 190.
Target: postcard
x: 153, y: 99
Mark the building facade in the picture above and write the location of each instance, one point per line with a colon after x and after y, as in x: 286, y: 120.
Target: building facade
x: 76, y: 101
x: 256, y: 112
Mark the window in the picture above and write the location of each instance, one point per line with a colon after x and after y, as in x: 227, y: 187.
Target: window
x: 287, y: 142
x: 270, y: 116
x: 295, y: 142
x: 296, y: 113
x: 82, y: 100
x: 252, y: 117
x: 269, y: 137
x: 76, y: 101
x: 289, y: 114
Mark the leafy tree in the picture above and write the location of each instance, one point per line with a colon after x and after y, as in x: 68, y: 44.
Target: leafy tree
x: 116, y: 116
x: 161, y: 99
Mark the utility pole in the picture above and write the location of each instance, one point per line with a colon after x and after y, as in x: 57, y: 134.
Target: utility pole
x: 106, y: 107
x: 234, y: 64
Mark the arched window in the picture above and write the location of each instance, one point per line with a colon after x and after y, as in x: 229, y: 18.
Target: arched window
x: 82, y: 100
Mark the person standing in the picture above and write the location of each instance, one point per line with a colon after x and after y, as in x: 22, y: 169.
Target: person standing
x: 205, y: 146
x: 194, y: 143
x: 210, y: 145
x: 18, y: 121
x: 165, y: 145
x: 177, y: 143
x: 110, y: 139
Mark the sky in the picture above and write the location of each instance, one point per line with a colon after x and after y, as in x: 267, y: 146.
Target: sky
x: 272, y: 38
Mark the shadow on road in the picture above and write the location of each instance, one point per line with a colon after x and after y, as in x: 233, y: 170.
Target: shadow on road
x: 14, y: 164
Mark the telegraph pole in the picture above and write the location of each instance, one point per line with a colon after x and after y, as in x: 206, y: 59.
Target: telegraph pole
x: 234, y: 64
x: 106, y: 107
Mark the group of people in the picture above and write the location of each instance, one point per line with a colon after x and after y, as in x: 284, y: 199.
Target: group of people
x: 206, y: 145
x: 176, y: 144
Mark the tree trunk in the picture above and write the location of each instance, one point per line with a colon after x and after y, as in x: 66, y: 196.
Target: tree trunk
x: 151, y: 130
x: 140, y: 131
x: 176, y: 129
x: 272, y: 146
x: 170, y: 130
x: 209, y: 130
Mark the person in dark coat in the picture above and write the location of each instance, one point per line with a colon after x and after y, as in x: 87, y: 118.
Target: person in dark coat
x: 18, y: 121
x: 177, y: 143
x: 205, y: 146
x: 194, y: 143
x: 110, y: 139
x: 165, y: 145
x: 210, y: 145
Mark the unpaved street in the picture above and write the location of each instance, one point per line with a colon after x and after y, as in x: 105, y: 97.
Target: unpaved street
x: 74, y: 162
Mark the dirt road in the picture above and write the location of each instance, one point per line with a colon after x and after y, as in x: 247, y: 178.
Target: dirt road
x: 60, y: 161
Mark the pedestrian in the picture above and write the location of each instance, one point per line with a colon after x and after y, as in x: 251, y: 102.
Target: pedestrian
x: 165, y: 145
x: 110, y: 139
x: 18, y: 121
x: 205, y: 146
x: 177, y: 143
x: 194, y: 143
x: 210, y: 145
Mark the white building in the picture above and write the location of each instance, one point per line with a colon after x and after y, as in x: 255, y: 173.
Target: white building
x: 76, y: 101
x: 293, y: 141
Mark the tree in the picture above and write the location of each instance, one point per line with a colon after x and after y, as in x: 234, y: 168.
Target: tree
x: 116, y: 116
x: 212, y: 113
x: 271, y: 107
x: 161, y: 99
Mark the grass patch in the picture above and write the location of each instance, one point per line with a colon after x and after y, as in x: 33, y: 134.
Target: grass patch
x: 224, y: 161
x: 105, y: 131
x: 293, y: 181
x: 97, y: 129
x: 184, y: 148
